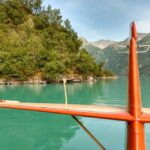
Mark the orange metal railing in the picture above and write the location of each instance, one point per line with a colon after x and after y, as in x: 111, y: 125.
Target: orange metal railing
x: 134, y: 117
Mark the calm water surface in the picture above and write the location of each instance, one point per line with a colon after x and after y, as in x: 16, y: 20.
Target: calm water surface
x: 26, y: 130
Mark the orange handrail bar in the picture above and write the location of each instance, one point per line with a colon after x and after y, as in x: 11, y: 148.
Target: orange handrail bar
x: 135, y: 116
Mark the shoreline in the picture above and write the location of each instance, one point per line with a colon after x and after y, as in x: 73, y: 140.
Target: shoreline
x: 107, y: 78
x: 89, y: 79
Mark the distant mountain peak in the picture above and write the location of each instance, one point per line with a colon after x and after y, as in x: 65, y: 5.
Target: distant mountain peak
x: 103, y: 43
x: 140, y: 37
x: 108, y: 51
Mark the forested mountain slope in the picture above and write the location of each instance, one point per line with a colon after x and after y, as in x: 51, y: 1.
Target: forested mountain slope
x: 36, y: 41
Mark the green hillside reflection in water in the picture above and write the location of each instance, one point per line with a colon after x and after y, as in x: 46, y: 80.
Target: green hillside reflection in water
x: 26, y: 130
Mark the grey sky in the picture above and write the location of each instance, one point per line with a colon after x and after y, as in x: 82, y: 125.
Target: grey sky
x: 104, y: 19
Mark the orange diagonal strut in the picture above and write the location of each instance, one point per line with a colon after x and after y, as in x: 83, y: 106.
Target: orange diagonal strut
x: 134, y: 114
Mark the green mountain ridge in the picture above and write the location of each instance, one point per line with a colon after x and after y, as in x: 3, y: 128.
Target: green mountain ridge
x: 115, y: 55
x: 96, y: 52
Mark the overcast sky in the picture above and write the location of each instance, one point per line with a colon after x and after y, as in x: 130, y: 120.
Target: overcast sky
x: 104, y: 19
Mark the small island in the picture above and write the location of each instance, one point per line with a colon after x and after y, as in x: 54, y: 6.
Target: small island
x: 38, y: 46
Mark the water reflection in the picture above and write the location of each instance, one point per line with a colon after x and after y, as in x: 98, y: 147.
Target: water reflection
x: 104, y: 91
x: 26, y: 130
x: 111, y: 92
x: 34, y: 131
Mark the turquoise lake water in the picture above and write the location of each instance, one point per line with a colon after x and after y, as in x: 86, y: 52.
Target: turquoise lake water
x: 26, y: 130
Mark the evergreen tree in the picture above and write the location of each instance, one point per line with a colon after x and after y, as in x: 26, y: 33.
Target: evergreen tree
x: 54, y: 15
x: 68, y: 26
x: 37, y: 5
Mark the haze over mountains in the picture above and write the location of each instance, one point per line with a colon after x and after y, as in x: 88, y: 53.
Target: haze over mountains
x: 115, y: 54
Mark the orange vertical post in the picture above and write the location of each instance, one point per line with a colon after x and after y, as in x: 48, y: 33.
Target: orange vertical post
x: 134, y: 117
x: 135, y: 134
